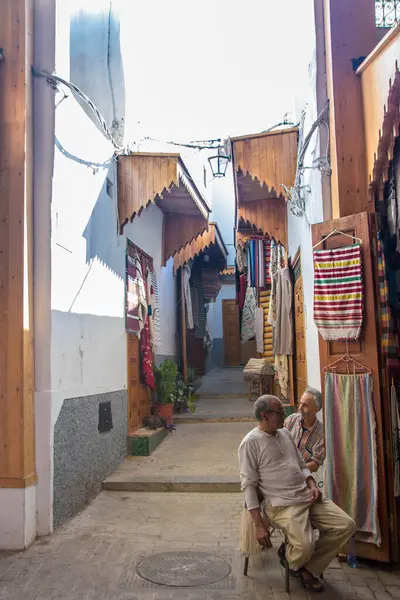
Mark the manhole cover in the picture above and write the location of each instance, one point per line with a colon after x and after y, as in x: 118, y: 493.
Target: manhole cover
x: 183, y: 569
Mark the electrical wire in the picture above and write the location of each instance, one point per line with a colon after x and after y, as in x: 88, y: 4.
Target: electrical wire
x: 53, y: 80
x: 294, y: 194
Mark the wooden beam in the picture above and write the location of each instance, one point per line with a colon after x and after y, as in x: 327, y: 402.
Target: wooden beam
x: 17, y: 443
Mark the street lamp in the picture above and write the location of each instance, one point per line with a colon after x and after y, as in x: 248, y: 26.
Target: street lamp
x: 219, y: 164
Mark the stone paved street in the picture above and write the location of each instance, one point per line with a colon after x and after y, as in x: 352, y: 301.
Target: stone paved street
x: 94, y: 556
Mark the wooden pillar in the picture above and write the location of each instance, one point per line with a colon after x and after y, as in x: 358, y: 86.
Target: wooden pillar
x: 183, y: 329
x: 17, y: 444
x: 350, y: 33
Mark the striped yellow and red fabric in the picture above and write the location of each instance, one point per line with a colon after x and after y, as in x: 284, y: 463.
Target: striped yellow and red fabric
x: 351, y: 472
x: 338, y: 292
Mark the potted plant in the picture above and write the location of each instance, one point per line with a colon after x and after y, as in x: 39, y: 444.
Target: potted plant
x: 165, y: 379
x: 184, y: 397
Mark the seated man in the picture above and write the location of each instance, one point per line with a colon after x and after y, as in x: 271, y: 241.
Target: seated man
x: 307, y: 430
x: 271, y: 464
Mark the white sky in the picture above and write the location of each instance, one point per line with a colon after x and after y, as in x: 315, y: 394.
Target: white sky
x: 197, y: 69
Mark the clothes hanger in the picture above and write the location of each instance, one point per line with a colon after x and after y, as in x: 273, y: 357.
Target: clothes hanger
x: 336, y: 231
x: 346, y: 358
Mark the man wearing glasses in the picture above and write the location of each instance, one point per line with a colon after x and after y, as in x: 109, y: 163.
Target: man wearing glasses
x: 271, y: 465
x: 307, y: 430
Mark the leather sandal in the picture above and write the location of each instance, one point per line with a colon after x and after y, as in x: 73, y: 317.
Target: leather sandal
x: 310, y: 583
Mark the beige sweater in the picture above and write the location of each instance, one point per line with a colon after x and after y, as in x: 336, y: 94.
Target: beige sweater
x: 275, y: 466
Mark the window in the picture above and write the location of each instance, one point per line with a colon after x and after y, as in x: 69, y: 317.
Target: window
x: 387, y: 13
x: 109, y: 186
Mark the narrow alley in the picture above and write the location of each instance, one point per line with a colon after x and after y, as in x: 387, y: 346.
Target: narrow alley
x: 184, y: 498
x: 199, y: 299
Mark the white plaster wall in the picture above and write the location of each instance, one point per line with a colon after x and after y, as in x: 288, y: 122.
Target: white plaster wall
x: 223, y: 209
x: 79, y: 262
x: 300, y: 227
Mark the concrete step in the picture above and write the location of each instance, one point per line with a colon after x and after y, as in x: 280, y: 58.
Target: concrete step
x: 214, y: 419
x: 209, y: 485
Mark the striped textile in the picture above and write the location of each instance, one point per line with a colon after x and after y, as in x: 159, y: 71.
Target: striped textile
x: 351, y: 474
x: 388, y: 338
x: 338, y: 292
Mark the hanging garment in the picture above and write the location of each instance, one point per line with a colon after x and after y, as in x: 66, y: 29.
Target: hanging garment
x: 146, y: 356
x: 156, y: 309
x: 136, y: 303
x: 249, y: 315
x: 150, y: 310
x: 273, y: 268
x: 272, y: 302
x: 338, y: 293
x: 240, y: 258
x: 282, y: 373
x: 259, y: 318
x: 389, y: 342
x: 395, y: 422
x: 237, y: 282
x: 242, y: 291
x: 261, y: 263
x: 351, y: 473
x: 186, y: 273
x: 283, y: 329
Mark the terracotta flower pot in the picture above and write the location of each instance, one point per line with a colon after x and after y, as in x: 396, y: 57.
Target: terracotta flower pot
x: 166, y: 411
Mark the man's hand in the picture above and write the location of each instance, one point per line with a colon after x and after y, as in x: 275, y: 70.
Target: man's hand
x: 262, y: 535
x: 315, y: 492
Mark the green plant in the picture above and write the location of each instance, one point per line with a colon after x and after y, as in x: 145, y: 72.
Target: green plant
x: 184, y: 397
x: 165, y: 378
x: 191, y: 374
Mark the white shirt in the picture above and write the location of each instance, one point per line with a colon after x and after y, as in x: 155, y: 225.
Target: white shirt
x: 275, y: 466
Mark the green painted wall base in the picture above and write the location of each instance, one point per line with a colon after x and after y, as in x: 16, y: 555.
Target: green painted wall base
x: 143, y: 442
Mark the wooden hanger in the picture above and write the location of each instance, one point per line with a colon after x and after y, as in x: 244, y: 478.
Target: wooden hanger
x: 346, y: 358
x: 336, y: 231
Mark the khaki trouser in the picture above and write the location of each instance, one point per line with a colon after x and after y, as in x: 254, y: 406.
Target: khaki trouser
x: 298, y: 521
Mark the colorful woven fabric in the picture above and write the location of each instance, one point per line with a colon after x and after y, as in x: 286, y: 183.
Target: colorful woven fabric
x: 351, y: 475
x: 338, y: 292
x: 249, y: 315
x: 388, y: 338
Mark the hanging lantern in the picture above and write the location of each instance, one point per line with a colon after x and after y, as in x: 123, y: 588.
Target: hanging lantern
x: 219, y: 164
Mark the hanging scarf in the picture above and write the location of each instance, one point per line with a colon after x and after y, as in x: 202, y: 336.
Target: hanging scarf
x: 249, y: 314
x: 338, y: 293
x: 388, y: 339
x: 395, y: 422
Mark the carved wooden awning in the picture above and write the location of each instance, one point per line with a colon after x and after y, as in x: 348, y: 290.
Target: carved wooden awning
x: 262, y: 163
x: 210, y: 243
x: 164, y: 180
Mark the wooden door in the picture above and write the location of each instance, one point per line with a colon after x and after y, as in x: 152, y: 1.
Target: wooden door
x: 365, y: 351
x: 231, y: 333
x: 300, y: 332
x: 139, y: 395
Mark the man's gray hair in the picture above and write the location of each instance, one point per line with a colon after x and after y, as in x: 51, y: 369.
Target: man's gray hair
x: 264, y: 404
x: 317, y: 396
